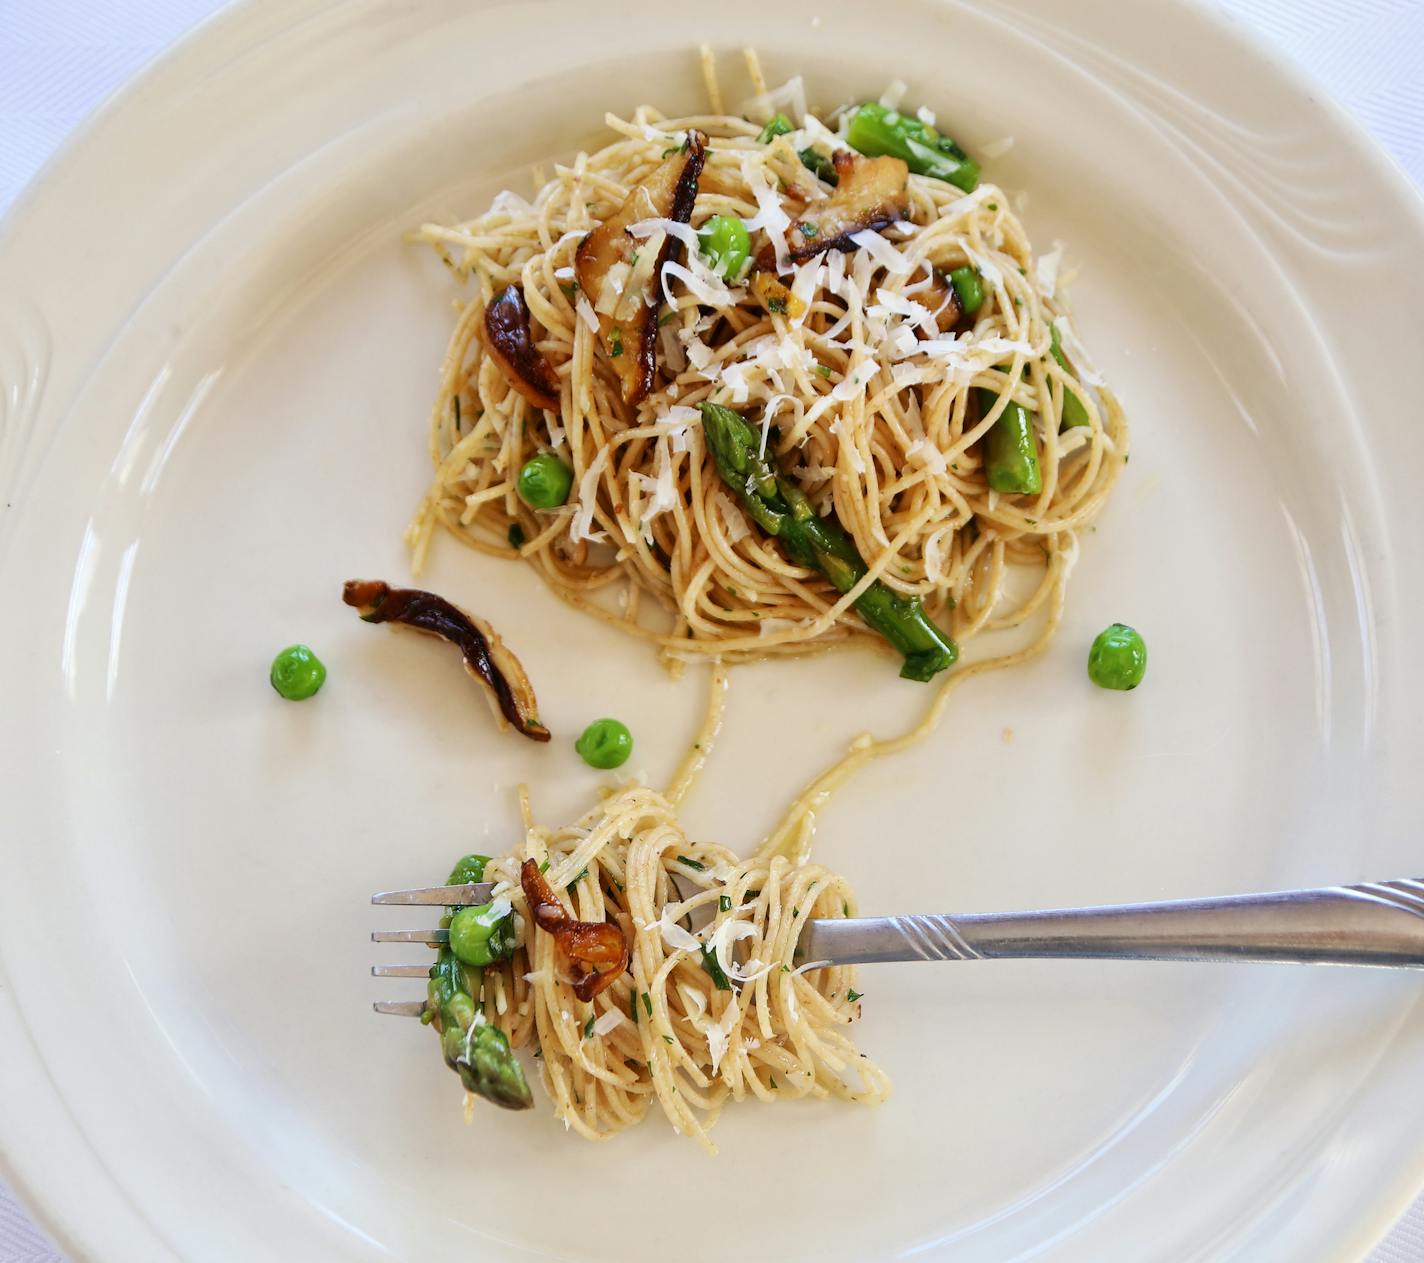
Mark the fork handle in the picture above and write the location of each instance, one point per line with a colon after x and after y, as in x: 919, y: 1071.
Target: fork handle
x: 1380, y: 923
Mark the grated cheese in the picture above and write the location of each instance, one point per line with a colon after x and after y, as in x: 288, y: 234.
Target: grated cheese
x: 894, y: 94
x: 770, y: 218
x: 675, y: 936
x: 733, y: 519
x: 581, y: 526
x: 608, y: 1021
x: 1046, y: 270
x: 1077, y: 352
x: 926, y: 455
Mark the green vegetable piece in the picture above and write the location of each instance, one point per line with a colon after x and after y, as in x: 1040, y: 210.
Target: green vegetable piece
x: 605, y: 743
x: 297, y: 673
x: 545, y: 481
x: 1010, y: 449
x: 468, y: 868
x: 477, y: 1051
x: 1118, y: 658
x: 725, y: 241
x: 968, y: 288
x: 819, y: 165
x: 876, y: 129
x: 1074, y: 413
x: 781, y: 508
x: 479, y: 939
x: 778, y: 126
x: 714, y: 970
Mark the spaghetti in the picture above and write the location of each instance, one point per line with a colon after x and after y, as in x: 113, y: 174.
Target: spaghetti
x: 877, y: 412
x: 699, y: 1018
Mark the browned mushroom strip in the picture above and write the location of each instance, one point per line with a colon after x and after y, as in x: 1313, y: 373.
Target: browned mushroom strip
x: 940, y: 298
x: 628, y: 331
x: 510, y: 342
x: 872, y: 193
x: 486, y: 658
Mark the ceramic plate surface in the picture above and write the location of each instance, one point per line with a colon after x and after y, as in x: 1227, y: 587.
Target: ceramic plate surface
x: 217, y: 357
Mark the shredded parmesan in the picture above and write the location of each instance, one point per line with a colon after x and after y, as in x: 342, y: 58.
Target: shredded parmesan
x: 894, y: 94
x: 608, y: 1021
x: 675, y: 936
x: 1046, y: 270
x: 581, y: 527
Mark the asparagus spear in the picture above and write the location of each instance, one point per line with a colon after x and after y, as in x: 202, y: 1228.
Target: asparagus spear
x: 1010, y: 449
x: 876, y: 129
x: 781, y: 508
x: 473, y: 1048
x: 1074, y: 413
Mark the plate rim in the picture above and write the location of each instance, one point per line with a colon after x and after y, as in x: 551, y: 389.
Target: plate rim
x: 39, y: 1179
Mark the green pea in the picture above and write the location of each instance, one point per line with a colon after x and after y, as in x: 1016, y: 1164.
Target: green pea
x: 297, y: 673
x: 726, y: 242
x: 779, y: 125
x: 468, y: 868
x: 476, y: 938
x: 545, y: 481
x: 1118, y: 658
x: 605, y: 743
x: 968, y: 288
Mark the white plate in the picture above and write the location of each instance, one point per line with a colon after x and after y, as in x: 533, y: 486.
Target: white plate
x: 218, y: 356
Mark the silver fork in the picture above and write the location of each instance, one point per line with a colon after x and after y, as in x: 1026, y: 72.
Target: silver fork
x: 1378, y: 923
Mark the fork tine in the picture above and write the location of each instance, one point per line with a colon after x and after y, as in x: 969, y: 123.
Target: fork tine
x: 400, y: 1008
x: 400, y: 971
x: 470, y: 893
x: 410, y: 936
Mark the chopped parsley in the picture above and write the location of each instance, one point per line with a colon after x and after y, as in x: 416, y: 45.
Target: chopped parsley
x: 714, y: 970
x: 852, y: 996
x: 808, y: 230
x: 777, y: 306
x: 667, y: 1039
x: 615, y: 342
x: 691, y: 863
x: 544, y: 867
x: 577, y: 879
x: 516, y: 535
x: 786, y: 969
x: 724, y: 903
x: 588, y: 1027
x: 633, y: 1006
x: 648, y: 1004
x: 633, y: 259
x: 570, y: 288
x: 664, y: 318
x: 823, y: 369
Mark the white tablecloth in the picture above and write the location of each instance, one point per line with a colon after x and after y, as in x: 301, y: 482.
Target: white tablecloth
x: 59, y: 59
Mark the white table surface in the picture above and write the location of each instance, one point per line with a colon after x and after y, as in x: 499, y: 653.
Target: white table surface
x: 60, y: 59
